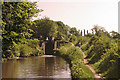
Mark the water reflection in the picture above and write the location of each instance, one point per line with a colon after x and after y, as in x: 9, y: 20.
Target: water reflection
x: 31, y: 68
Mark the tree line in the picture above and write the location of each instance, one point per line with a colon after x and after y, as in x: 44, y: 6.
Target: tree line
x: 18, y: 29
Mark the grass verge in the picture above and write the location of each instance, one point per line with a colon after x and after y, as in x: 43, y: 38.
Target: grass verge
x: 74, y: 57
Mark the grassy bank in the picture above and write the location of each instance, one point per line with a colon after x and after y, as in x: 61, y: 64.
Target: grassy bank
x: 74, y: 57
x: 103, y: 55
x: 27, y: 47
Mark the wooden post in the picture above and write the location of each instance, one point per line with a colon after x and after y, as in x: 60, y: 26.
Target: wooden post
x: 43, y: 46
x: 55, y: 45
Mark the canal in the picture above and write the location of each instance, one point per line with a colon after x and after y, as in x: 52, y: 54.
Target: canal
x: 47, y: 67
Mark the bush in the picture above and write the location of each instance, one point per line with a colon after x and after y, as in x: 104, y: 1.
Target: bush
x: 36, y: 52
x: 7, y: 54
x: 24, y: 48
x: 73, y: 39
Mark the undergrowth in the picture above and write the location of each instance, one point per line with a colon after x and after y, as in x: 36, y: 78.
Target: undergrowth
x: 23, y: 49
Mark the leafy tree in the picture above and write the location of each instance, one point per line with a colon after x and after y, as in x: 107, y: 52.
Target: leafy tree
x: 74, y: 31
x: 62, y: 29
x: 45, y: 28
x: 16, y: 21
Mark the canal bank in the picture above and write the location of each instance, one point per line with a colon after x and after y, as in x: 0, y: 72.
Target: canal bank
x: 75, y: 58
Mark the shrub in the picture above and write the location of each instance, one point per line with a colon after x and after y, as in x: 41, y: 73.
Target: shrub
x: 36, y: 52
x: 26, y: 47
x: 25, y: 50
x: 73, y: 39
x: 7, y: 54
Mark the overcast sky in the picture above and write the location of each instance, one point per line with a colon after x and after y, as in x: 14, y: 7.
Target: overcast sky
x: 82, y: 14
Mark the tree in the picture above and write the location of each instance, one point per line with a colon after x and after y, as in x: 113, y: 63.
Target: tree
x: 115, y: 34
x: 74, y: 31
x: 16, y: 21
x: 98, y: 29
x: 45, y: 28
x: 62, y: 29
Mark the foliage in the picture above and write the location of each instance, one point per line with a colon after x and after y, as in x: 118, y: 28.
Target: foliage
x: 49, y: 28
x: 45, y: 28
x: 74, y: 31
x: 83, y: 40
x: 16, y: 21
x: 62, y: 29
x: 75, y: 58
x: 89, y: 35
x: 115, y: 35
x: 73, y: 39
x: 98, y: 29
x: 26, y: 48
x: 103, y: 53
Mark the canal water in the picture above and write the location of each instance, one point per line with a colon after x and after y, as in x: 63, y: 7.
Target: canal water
x: 45, y: 67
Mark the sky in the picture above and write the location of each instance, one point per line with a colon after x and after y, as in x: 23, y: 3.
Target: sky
x: 82, y: 14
